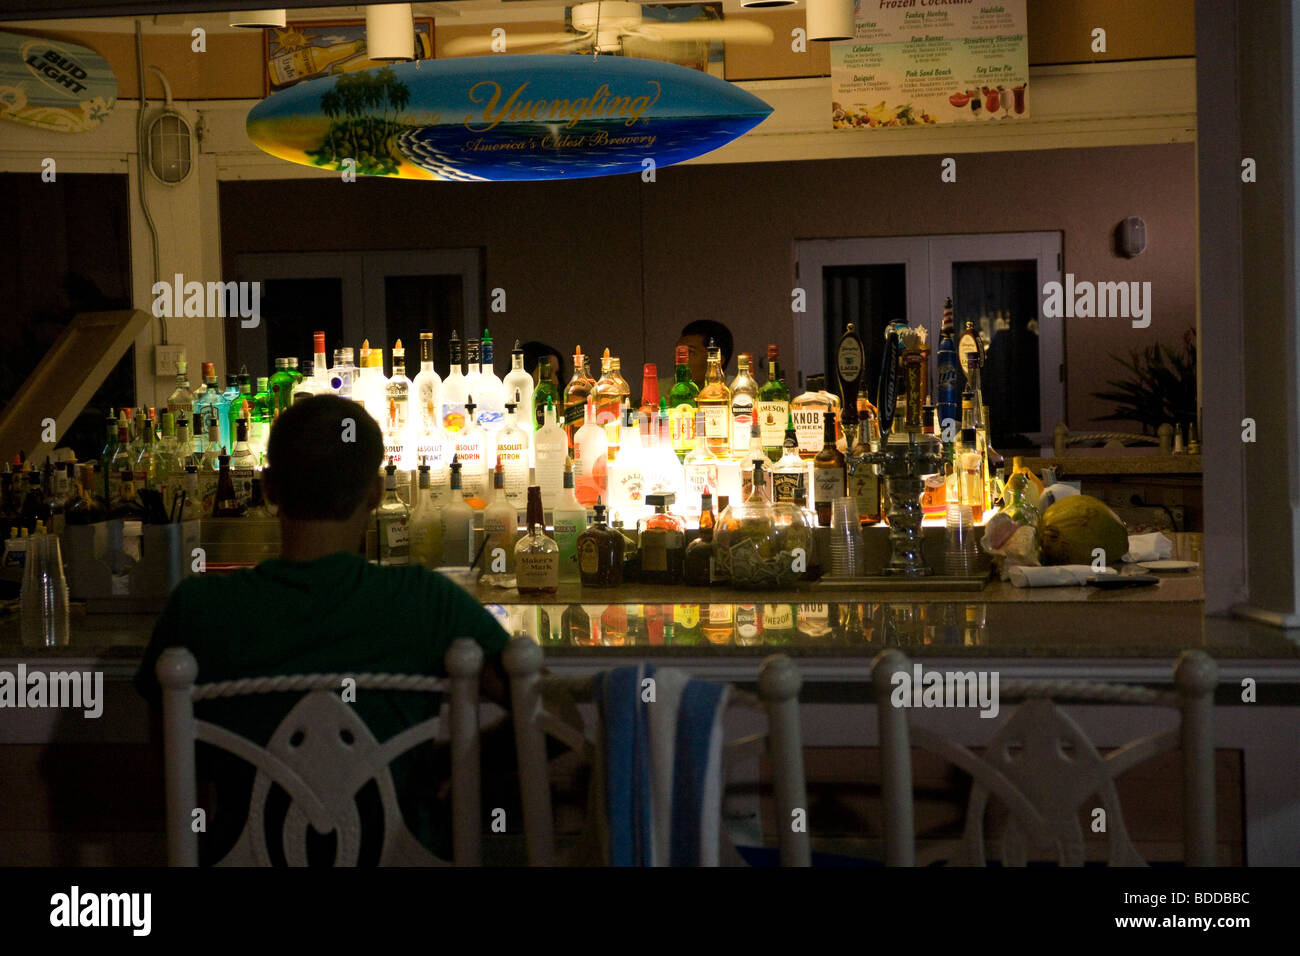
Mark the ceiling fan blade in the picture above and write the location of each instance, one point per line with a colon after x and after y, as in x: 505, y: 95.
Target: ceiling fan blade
x: 476, y: 45
x: 730, y: 31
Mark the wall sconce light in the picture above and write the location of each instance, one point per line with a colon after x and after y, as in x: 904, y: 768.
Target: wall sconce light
x: 390, y: 32
x: 830, y: 20
x: 258, y: 18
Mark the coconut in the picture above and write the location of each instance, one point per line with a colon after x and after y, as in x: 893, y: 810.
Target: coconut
x: 1072, y: 529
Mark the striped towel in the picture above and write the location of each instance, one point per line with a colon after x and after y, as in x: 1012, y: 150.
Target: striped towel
x: 662, y: 766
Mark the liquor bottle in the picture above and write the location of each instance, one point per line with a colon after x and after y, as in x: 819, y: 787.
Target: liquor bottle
x: 296, y: 373
x: 649, y: 392
x: 453, y: 393
x: 397, y: 420
x: 210, y: 403
x: 518, y: 387
x: 281, y: 388
x: 791, y: 468
x: 744, y: 401
x: 550, y: 451
x: 714, y: 401
x: 300, y: 63
x: 230, y: 406
x: 590, y: 459
x: 682, y: 405
x: 620, y: 384
x: 500, y: 522
x: 257, y: 506
x: 719, y: 623
x: 146, y: 463
x: 948, y: 377
x: 701, y: 470
x: 570, y: 520
x: 472, y: 371
x: 697, y: 567
x: 828, y: 472
x: 242, y: 463
x: 457, y: 520
x: 260, y: 416
x: 544, y: 392
x: 756, y: 455
x: 627, y: 474
x: 471, y: 451
x: 168, y: 460
x: 663, y: 543
x: 181, y: 399
x: 226, y: 504
x: 318, y: 380
x: 773, y: 406
x: 370, y: 390
x: 490, y: 391
x: 686, y: 630
x: 212, y: 447
x: 343, y: 374
x: 184, y: 442
x: 663, y: 473
x: 537, y: 557
x: 600, y: 553
x: 106, y: 456
x: 749, y: 625
x: 807, y: 411
x: 427, y: 434
x: 605, y: 393
x: 426, y: 529
x: 512, y: 453
x: 576, y: 394
x: 863, y: 485
x: 393, y: 522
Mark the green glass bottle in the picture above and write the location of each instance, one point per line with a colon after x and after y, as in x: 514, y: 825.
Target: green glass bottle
x: 544, y: 392
x: 681, y: 405
x: 773, y: 406
x: 282, y: 385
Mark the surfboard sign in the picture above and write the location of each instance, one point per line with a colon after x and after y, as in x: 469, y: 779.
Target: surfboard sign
x: 53, y: 84
x: 502, y: 117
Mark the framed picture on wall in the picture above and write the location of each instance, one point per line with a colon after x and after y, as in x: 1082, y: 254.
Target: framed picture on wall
x: 305, y: 51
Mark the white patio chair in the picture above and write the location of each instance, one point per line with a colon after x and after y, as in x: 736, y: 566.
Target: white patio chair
x: 1042, y: 769
x: 322, y: 754
x: 778, y: 684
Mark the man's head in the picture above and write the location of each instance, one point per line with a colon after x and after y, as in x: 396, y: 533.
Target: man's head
x: 323, y: 460
x: 696, y: 337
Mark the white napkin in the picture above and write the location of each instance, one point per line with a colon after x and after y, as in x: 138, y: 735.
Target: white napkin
x: 1055, y: 576
x: 1148, y: 547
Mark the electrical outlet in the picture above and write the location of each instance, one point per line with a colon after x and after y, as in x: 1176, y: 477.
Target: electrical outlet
x: 165, y: 358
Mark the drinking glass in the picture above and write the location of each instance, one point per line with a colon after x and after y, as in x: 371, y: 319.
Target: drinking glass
x: 847, y: 553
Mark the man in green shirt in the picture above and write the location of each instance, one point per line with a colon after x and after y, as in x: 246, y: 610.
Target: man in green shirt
x: 323, y: 608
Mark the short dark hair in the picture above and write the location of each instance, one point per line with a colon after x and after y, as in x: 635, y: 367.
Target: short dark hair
x: 710, y: 329
x: 323, y: 456
x: 533, y: 353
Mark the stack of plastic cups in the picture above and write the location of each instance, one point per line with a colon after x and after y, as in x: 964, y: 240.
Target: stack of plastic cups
x: 848, y: 558
x: 43, y: 603
x: 961, y: 552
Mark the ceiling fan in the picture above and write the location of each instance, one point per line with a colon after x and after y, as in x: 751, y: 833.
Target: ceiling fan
x: 603, y: 26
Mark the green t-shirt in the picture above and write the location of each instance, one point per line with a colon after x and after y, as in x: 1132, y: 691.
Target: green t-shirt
x: 338, y: 614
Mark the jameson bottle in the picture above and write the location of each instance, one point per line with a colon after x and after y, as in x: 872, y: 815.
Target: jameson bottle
x: 682, y: 405
x: 773, y: 406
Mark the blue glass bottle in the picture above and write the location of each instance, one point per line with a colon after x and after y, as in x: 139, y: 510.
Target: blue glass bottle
x: 949, y: 385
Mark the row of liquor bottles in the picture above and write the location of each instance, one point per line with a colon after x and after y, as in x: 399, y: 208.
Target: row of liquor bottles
x: 732, y: 624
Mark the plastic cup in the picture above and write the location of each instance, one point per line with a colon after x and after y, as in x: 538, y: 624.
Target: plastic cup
x: 43, y: 601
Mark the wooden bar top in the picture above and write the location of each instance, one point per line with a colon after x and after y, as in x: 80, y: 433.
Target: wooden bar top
x: 1102, y: 464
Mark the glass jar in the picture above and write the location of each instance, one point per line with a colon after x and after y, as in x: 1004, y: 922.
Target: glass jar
x: 755, y: 552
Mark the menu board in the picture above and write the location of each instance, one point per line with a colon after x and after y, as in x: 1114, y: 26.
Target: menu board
x: 925, y: 62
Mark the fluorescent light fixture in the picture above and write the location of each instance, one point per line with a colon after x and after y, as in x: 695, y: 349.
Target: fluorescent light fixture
x: 830, y: 19
x: 390, y: 32
x: 258, y: 18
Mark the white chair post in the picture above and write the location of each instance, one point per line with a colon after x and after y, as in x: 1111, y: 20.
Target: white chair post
x: 1195, y: 676
x: 523, y: 662
x: 464, y: 663
x: 779, y: 681
x: 176, y: 670
x: 895, y: 761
